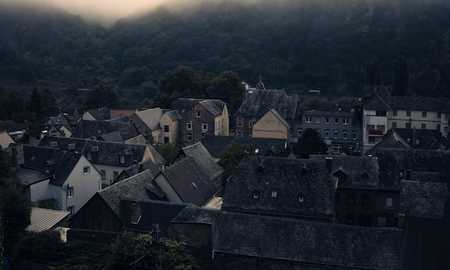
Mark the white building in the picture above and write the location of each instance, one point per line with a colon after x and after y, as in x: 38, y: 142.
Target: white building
x: 383, y: 113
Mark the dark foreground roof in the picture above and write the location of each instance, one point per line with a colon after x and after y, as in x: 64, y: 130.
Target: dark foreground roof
x: 114, y: 131
x: 298, y: 187
x: 322, y: 244
x: 196, y: 215
x: 204, y: 159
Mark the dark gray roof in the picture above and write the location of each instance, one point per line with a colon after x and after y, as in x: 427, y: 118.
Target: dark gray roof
x: 196, y: 215
x: 321, y: 244
x: 100, y: 113
x: 422, y: 138
x: 137, y: 168
x: 218, y: 145
x: 360, y: 171
x: 424, y: 199
x: 111, y: 131
x: 29, y: 177
x: 204, y: 160
x: 214, y: 106
x: 152, y: 212
x: 259, y: 102
x: 184, y: 104
x: 139, y: 187
x: 282, y: 186
x: 412, y: 103
x: 58, y: 164
x: 172, y: 114
x: 99, y: 152
x: 12, y: 126
x: 189, y: 181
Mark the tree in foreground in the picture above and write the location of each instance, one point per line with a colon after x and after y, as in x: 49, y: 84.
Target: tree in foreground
x: 310, y: 143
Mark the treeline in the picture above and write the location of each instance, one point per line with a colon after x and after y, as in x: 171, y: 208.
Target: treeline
x: 342, y: 47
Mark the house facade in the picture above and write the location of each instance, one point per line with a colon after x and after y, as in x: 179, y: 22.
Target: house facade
x: 157, y: 125
x: 271, y: 126
x: 201, y: 119
x: 384, y: 112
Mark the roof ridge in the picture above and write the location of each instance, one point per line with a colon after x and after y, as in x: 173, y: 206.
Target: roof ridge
x: 126, y: 180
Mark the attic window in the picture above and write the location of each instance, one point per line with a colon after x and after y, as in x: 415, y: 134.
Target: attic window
x: 255, y: 195
x: 136, y: 213
x: 199, y: 114
x: 274, y: 194
x: 300, y: 198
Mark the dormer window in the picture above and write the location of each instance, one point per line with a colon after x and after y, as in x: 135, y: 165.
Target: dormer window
x: 300, y: 198
x: 255, y: 195
x: 274, y: 194
x: 198, y: 114
x: 136, y: 214
x: 54, y: 144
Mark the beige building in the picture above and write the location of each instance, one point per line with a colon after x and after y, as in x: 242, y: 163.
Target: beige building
x: 158, y: 124
x: 271, y: 126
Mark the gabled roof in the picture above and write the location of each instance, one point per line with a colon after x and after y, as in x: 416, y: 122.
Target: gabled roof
x: 55, y: 163
x: 424, y: 199
x: 421, y: 138
x: 391, y: 140
x: 111, y: 131
x: 189, y: 181
x: 5, y: 140
x: 45, y: 219
x: 218, y: 145
x: 204, y: 160
x: 139, y: 187
x: 99, y: 152
x: 282, y: 186
x: 259, y: 102
x: 278, y: 117
x: 411, y: 103
x: 29, y: 177
x: 326, y: 245
x: 150, y: 117
x: 214, y: 106
x: 172, y: 114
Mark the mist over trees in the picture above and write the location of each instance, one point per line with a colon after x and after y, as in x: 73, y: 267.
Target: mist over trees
x: 341, y: 47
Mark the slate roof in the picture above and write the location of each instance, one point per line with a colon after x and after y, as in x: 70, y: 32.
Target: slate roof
x: 29, y: 177
x: 100, y: 113
x: 184, y: 104
x: 218, y: 145
x: 259, y: 102
x: 137, y: 168
x: 189, y: 181
x: 204, y: 159
x: 139, y: 187
x: 391, y: 140
x: 45, y: 219
x: 173, y: 114
x: 424, y: 199
x: 282, y: 186
x: 56, y: 163
x: 412, y: 103
x: 152, y: 212
x: 312, y: 243
x: 422, y: 138
x: 150, y: 118
x: 108, y: 153
x: 196, y: 215
x: 214, y: 106
x: 110, y: 131
x: 361, y: 171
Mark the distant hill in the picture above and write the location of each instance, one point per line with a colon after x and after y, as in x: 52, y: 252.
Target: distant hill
x: 337, y: 46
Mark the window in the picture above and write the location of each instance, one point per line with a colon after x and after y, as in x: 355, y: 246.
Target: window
x: 251, y: 123
x: 327, y: 133
x: 408, y: 113
x: 71, y: 146
x: 70, y: 209
x: 166, y: 128
x: 103, y: 174
x: 274, y: 194
x: 380, y: 113
x: 189, y: 125
x: 336, y: 120
x: 327, y: 120
x: 199, y: 114
x: 166, y: 140
x: 122, y: 159
x: 438, y: 126
x: 394, y: 112
x: 204, y: 127
x: 69, y: 191
x: 189, y: 136
x: 408, y: 125
x: 354, y: 135
x: 86, y: 170
x: 439, y: 115
x: 424, y: 126
x: 344, y: 134
x: 136, y: 214
x: 424, y: 114
x: 336, y: 133
x: 299, y: 132
x: 95, y: 148
x: 394, y: 124
x: 346, y: 121
x: 255, y: 195
x: 389, y: 202
x: 300, y: 198
x: 308, y: 119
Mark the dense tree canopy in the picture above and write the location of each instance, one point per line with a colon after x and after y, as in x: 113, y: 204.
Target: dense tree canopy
x: 336, y: 46
x: 310, y: 143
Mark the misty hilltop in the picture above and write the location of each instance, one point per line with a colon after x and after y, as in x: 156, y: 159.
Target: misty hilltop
x: 341, y: 47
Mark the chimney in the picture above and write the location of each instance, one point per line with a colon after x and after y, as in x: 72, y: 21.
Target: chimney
x: 329, y: 163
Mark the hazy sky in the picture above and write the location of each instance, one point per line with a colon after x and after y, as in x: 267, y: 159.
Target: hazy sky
x: 107, y: 8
